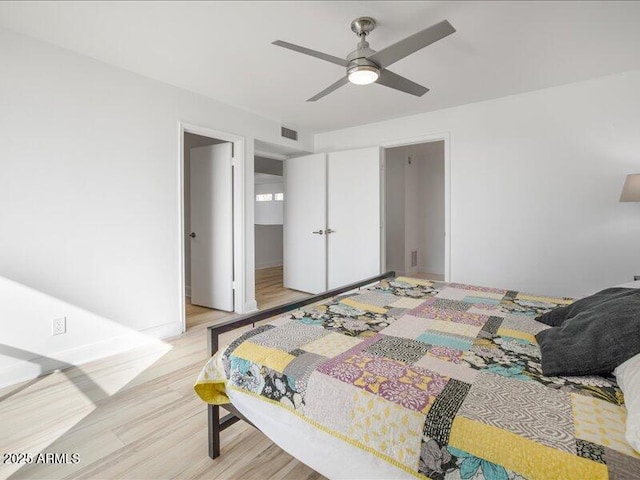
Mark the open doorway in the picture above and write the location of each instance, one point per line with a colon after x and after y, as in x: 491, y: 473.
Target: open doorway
x: 415, y: 210
x: 270, y: 201
x: 211, y: 236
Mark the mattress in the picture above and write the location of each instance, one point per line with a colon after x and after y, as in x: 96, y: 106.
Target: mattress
x: 313, y: 446
x: 413, y: 378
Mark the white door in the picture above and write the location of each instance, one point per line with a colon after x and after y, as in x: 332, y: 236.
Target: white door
x: 212, y: 227
x: 353, y: 216
x: 305, y: 218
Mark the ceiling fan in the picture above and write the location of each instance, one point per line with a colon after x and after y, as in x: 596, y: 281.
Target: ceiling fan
x: 364, y: 65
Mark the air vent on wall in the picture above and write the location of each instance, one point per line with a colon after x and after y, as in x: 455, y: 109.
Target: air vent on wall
x: 288, y: 133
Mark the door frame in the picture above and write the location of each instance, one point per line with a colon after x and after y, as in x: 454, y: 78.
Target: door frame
x: 239, y: 253
x: 447, y: 195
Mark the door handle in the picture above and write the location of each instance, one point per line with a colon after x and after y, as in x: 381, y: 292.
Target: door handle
x: 318, y: 232
x: 330, y: 231
x: 193, y: 235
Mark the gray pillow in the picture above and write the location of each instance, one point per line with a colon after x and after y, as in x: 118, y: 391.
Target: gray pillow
x: 557, y: 316
x: 602, y: 333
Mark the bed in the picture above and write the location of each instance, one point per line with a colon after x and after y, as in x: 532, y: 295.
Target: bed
x: 414, y: 378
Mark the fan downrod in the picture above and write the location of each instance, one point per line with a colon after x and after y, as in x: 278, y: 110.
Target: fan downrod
x: 362, y: 26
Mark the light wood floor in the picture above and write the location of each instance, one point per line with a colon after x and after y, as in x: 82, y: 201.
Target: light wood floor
x: 427, y: 276
x: 270, y: 291
x: 135, y: 416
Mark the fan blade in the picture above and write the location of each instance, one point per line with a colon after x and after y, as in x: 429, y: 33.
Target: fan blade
x: 328, y: 90
x: 314, y: 53
x: 393, y: 80
x: 403, y: 48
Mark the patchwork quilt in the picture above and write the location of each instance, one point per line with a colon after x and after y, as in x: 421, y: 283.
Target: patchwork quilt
x: 442, y: 380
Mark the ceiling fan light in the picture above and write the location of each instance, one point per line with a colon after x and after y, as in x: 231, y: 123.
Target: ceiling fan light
x: 363, y: 75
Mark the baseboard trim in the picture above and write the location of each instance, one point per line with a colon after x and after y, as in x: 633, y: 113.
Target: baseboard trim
x: 275, y: 263
x: 433, y: 271
x: 39, y: 366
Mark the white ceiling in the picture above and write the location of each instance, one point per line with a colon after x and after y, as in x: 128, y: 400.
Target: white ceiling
x: 422, y: 150
x: 223, y: 49
x: 277, y: 152
x: 266, y: 178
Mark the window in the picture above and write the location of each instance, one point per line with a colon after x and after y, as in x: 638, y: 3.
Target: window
x: 279, y: 196
x: 264, y: 197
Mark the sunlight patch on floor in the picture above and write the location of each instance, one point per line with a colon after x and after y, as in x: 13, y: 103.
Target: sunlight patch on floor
x: 42, y: 413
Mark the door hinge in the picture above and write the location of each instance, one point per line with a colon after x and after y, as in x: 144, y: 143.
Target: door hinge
x: 234, y: 285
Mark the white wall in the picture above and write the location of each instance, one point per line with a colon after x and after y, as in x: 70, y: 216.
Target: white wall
x: 415, y: 207
x: 269, y: 166
x: 535, y: 182
x: 269, y: 213
x: 269, y: 216
x: 269, y: 220
x: 269, y: 246
x: 89, y: 189
x: 413, y: 212
x: 431, y: 211
x: 394, y: 210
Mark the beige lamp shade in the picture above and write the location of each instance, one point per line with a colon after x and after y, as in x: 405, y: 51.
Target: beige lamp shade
x: 631, y: 189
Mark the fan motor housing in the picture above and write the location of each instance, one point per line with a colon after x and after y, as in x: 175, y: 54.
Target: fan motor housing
x: 363, y: 51
x: 361, y: 62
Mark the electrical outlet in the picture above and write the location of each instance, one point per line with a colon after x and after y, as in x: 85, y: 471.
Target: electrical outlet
x: 636, y: 278
x: 59, y: 326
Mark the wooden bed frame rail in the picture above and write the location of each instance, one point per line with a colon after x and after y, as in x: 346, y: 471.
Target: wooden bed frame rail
x: 216, y: 424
